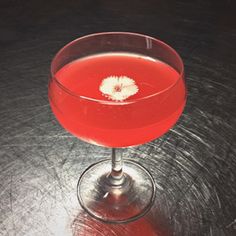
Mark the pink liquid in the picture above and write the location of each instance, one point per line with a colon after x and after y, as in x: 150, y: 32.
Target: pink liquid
x: 140, y: 118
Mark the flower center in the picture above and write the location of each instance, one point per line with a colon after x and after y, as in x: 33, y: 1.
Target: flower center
x: 118, y: 88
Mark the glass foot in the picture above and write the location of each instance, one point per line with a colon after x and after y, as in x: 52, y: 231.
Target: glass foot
x: 116, y: 202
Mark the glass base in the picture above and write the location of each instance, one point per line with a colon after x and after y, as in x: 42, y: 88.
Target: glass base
x: 119, y: 203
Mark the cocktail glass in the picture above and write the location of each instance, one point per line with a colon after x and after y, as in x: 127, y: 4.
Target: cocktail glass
x: 116, y: 190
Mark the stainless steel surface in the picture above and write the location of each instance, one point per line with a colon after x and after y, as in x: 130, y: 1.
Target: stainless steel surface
x: 193, y: 164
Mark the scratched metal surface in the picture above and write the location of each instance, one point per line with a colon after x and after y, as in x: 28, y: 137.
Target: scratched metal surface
x: 193, y: 165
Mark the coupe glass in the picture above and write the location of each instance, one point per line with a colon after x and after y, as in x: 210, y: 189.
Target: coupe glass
x: 116, y: 190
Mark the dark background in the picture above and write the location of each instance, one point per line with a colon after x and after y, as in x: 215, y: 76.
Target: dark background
x: 194, y: 164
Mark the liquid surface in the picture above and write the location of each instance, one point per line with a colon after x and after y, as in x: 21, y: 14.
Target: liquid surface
x: 84, y: 76
x: 154, y: 94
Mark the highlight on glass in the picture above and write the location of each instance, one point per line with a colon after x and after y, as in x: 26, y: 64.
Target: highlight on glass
x: 116, y: 90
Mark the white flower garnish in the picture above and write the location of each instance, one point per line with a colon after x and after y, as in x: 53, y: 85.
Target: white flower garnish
x: 118, y: 88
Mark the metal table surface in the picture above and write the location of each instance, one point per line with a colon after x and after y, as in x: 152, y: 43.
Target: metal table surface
x: 193, y: 164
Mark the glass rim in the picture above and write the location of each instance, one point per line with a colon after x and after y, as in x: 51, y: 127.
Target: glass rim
x: 103, y: 101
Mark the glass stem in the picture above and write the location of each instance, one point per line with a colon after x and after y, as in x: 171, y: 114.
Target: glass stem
x: 116, y: 177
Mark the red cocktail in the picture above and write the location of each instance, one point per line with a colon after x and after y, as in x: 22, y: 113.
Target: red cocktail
x: 124, y: 122
x: 117, y: 90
